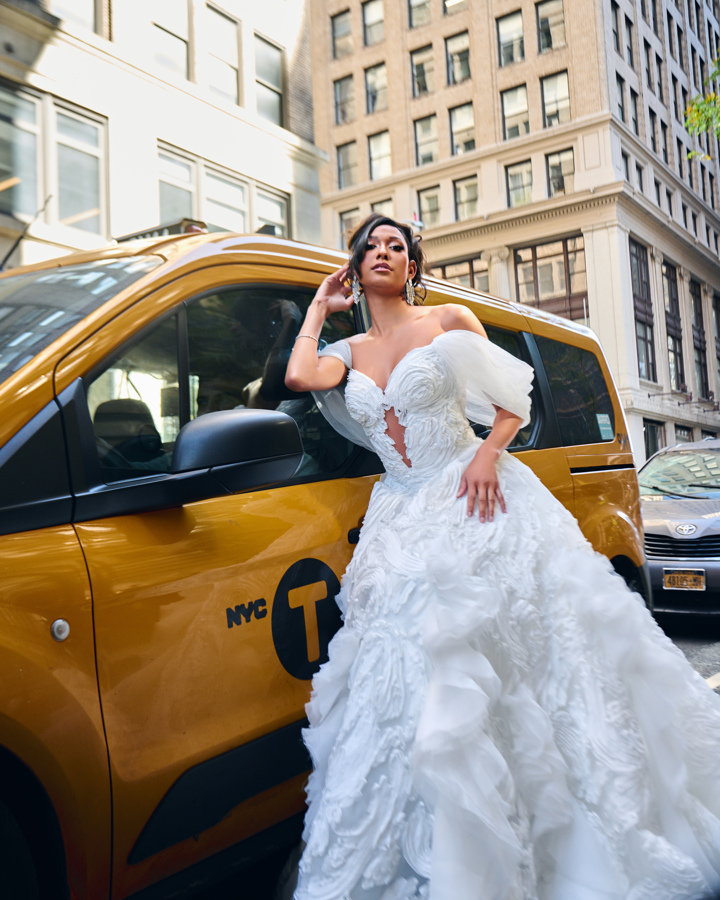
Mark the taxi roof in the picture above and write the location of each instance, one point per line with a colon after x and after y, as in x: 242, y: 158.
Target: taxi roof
x: 180, y: 249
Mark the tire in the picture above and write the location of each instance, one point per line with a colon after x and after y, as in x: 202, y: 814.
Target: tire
x: 18, y: 880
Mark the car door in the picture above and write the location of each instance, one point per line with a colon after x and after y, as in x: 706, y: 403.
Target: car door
x: 211, y: 617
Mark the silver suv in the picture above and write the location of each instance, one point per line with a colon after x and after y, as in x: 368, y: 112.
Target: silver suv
x: 680, y: 494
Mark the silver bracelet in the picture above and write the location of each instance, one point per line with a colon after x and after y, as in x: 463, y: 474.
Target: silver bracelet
x: 312, y: 338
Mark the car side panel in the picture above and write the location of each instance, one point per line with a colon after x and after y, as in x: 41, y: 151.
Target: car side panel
x: 188, y: 643
x: 49, y: 708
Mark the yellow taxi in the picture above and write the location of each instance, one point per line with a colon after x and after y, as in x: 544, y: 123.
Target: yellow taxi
x: 173, y: 527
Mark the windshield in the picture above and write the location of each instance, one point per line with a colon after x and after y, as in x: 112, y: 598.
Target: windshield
x: 37, y: 307
x: 689, y: 473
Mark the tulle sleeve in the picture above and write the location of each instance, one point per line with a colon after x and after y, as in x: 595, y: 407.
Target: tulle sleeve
x: 332, y: 403
x: 490, y: 375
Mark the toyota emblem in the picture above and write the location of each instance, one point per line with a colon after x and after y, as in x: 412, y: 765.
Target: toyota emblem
x: 686, y: 529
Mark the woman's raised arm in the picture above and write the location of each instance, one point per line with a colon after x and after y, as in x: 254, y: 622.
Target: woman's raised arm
x: 306, y: 371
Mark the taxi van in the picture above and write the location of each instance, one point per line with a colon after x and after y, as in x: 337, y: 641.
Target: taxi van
x: 174, y: 523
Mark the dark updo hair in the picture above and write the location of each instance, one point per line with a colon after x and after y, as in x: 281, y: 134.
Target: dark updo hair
x: 357, y: 245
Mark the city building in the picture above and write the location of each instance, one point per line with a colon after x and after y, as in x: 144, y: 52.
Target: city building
x: 541, y: 148
x: 116, y: 117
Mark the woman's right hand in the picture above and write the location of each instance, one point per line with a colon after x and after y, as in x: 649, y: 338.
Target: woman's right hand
x: 334, y: 295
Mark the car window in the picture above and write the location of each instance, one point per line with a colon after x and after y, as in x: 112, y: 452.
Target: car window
x: 510, y: 341
x: 582, y: 400
x: 37, y: 307
x: 686, y: 473
x: 134, y: 405
x: 239, y: 344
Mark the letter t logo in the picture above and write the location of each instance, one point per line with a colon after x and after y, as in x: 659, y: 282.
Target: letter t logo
x: 307, y: 596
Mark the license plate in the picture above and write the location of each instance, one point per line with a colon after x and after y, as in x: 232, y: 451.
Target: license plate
x: 684, y: 579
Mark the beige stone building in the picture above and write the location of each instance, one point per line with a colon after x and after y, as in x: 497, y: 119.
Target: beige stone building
x: 118, y: 116
x: 540, y: 146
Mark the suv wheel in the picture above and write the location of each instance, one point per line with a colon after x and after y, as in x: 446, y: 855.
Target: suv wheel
x: 17, y: 869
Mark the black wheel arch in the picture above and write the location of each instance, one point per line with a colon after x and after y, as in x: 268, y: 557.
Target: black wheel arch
x: 636, y: 578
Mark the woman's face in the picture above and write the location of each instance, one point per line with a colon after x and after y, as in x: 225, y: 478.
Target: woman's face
x: 386, y: 265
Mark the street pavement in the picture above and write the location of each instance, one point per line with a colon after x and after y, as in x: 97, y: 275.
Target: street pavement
x: 699, y: 639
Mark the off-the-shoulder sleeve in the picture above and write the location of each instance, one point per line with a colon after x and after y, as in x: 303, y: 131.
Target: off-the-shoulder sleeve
x: 332, y: 403
x: 490, y: 375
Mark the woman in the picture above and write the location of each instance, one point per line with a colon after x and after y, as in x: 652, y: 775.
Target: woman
x: 500, y: 718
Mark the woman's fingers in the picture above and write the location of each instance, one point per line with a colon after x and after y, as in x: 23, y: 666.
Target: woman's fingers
x: 487, y: 496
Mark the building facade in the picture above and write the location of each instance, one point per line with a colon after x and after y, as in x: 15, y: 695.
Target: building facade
x: 117, y: 117
x: 540, y: 146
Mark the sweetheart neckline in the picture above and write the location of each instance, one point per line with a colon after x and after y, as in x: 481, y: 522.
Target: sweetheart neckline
x: 397, y: 365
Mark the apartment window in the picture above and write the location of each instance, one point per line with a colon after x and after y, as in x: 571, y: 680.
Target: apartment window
x: 81, y: 12
x: 341, y: 28
x: 20, y: 153
x: 472, y: 272
x: 462, y: 129
x: 418, y: 12
x: 659, y: 78
x: 693, y: 65
x: 347, y: 164
x: 642, y: 303
x: 684, y: 215
x: 349, y: 220
x: 629, y: 42
x: 634, y: 121
x: 664, y: 137
x: 691, y: 174
x: 711, y: 189
x: 671, y: 34
x: 457, y: 50
x: 465, y: 191
x: 344, y: 100
x: 648, y: 65
x: 515, y: 112
x: 680, y: 51
x: 511, y: 45
x: 560, y: 172
x: 556, y: 99
x: 680, y: 158
x: 80, y: 160
x: 653, y: 131
x: 669, y: 201
x: 716, y: 319
x: 191, y: 187
x: 684, y: 101
x: 423, y: 71
x: 453, y: 6
x: 373, y: 19
x: 658, y: 195
x: 550, y: 25
x: 654, y: 435
x: 699, y: 344
x: 426, y: 140
x: 552, y: 277
x: 639, y: 177
x: 223, y: 59
x: 673, y: 327
x: 620, y: 85
x: 384, y: 207
x: 676, y: 110
x: 615, y: 13
x: 376, y: 88
x: 653, y: 15
x: 170, y: 39
x: 519, y: 183
x: 626, y: 166
x: 379, y: 154
x: 683, y: 435
x: 269, y: 80
x: 429, y: 206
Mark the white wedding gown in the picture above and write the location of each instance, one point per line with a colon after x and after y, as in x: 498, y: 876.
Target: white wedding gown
x: 500, y: 717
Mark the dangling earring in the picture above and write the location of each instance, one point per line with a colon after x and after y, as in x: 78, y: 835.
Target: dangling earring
x: 409, y: 293
x: 356, y: 290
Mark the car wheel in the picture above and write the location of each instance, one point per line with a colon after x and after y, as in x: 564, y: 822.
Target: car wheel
x: 18, y: 880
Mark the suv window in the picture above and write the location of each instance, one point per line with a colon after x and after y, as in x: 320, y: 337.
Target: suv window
x: 235, y: 347
x: 240, y: 341
x: 582, y: 400
x: 510, y: 341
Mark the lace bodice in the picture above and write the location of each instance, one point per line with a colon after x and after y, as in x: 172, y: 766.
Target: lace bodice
x: 429, y: 404
x: 432, y: 391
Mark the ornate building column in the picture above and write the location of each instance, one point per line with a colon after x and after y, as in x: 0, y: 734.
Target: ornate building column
x: 498, y: 274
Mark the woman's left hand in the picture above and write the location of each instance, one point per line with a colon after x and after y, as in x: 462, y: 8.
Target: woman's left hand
x: 480, y: 483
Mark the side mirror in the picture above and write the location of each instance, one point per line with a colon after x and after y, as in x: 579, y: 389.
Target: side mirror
x: 240, y: 448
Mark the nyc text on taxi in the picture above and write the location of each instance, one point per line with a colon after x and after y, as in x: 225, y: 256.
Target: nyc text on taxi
x: 173, y: 527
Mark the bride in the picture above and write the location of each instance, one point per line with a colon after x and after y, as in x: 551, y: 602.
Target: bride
x: 500, y: 717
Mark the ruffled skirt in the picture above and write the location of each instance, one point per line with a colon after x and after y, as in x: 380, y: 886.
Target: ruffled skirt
x: 500, y: 717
